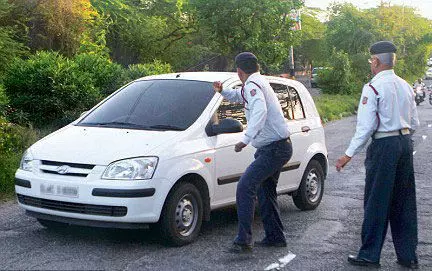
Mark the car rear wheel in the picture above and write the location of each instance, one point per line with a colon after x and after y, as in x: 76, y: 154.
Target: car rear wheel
x: 311, y: 188
x: 52, y: 225
x: 182, y: 214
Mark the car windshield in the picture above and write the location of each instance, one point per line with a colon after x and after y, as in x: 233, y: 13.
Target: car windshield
x: 153, y: 105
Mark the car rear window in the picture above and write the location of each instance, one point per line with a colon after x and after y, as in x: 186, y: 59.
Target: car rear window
x: 153, y: 104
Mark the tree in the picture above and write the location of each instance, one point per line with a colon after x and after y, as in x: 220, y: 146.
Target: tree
x: 262, y: 27
x: 10, y: 47
x: 142, y: 31
x: 409, y: 32
x: 312, y: 50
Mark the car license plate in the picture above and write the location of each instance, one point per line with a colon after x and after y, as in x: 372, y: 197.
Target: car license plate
x: 59, y: 190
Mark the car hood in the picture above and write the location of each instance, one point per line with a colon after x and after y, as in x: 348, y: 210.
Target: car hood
x: 98, y: 145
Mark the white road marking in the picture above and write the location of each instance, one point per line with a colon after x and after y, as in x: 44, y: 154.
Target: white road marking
x: 286, y: 259
x: 272, y: 266
x: 281, y: 262
x: 424, y: 137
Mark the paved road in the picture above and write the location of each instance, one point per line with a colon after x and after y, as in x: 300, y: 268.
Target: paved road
x: 319, y: 239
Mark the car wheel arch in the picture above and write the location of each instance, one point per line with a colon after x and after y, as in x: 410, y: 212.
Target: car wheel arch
x: 322, y: 160
x: 200, y: 183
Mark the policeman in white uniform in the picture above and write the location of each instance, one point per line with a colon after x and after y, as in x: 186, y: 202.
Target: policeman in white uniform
x: 267, y: 131
x: 387, y: 113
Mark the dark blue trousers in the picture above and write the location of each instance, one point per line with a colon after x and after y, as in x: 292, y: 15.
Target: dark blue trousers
x: 390, y: 197
x: 260, y: 180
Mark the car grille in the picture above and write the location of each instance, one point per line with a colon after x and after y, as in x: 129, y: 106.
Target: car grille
x: 88, y: 209
x: 73, y: 169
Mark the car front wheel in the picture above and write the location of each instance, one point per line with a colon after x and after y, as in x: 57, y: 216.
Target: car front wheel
x: 311, y: 189
x: 182, y: 214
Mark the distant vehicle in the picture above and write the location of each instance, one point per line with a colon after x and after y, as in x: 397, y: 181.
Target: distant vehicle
x: 428, y: 75
x: 314, y: 76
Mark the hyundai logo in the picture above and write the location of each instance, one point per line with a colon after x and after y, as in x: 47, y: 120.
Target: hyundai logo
x: 63, y: 169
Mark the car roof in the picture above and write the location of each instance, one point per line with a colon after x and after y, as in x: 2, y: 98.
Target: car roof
x: 204, y: 76
x: 196, y: 76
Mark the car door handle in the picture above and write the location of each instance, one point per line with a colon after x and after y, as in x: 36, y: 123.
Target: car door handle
x: 305, y: 129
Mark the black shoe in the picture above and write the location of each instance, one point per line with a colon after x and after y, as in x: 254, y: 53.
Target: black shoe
x: 266, y: 243
x: 409, y: 264
x: 239, y: 249
x: 354, y: 260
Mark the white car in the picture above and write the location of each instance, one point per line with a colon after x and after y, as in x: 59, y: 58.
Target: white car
x: 160, y: 151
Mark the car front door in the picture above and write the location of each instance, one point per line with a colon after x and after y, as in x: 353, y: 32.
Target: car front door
x: 230, y: 165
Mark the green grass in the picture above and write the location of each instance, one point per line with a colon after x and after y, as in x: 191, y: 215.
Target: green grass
x: 333, y: 107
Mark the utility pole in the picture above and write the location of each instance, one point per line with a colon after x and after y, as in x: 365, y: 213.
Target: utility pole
x: 291, y: 60
x: 295, y: 16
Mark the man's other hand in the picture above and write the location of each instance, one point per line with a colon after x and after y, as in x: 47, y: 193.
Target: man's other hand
x: 342, y: 161
x: 217, y: 86
x: 239, y: 146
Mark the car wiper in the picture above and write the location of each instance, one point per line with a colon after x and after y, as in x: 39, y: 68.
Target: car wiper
x: 166, y: 127
x: 115, y: 123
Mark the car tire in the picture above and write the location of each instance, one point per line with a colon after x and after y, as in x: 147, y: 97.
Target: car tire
x: 182, y: 214
x: 52, y: 225
x: 311, y: 189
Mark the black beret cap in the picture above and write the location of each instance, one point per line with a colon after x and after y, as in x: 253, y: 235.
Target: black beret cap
x: 382, y: 47
x: 245, y: 56
x: 246, y: 61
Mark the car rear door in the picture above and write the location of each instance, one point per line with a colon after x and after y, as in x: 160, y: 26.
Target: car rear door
x: 294, y: 112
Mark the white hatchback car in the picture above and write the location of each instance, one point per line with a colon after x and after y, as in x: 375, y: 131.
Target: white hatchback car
x: 160, y: 151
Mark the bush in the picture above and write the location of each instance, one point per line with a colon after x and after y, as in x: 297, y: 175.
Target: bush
x: 47, y: 85
x: 338, y: 78
x: 107, y: 76
x: 332, y: 107
x: 14, y: 140
x: 136, y: 71
x: 4, y: 101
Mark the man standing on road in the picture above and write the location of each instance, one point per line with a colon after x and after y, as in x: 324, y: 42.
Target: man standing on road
x: 267, y: 131
x: 387, y: 113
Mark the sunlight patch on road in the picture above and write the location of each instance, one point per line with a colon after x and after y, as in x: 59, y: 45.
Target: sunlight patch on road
x: 281, y: 262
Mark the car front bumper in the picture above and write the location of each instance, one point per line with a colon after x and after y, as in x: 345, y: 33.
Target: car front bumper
x: 96, y: 200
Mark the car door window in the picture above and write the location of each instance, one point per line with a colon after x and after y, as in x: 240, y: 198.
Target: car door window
x: 229, y: 109
x: 290, y: 101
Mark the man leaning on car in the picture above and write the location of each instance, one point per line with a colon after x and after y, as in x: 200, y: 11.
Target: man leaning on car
x: 268, y: 132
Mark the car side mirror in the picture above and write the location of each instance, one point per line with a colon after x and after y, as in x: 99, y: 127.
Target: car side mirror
x: 225, y: 126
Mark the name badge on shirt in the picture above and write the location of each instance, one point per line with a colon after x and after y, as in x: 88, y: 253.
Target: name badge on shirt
x: 365, y: 99
x: 253, y: 92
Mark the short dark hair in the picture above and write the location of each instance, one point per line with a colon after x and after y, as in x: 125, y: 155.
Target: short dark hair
x: 249, y: 67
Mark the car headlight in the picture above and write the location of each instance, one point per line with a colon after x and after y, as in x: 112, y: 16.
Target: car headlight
x: 141, y: 168
x: 27, y: 161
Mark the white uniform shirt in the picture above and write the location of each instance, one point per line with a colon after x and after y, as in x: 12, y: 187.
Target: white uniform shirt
x: 265, y: 119
x: 396, y: 109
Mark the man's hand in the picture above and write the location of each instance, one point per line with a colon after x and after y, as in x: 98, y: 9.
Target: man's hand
x: 342, y: 161
x: 239, y: 146
x: 217, y: 86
